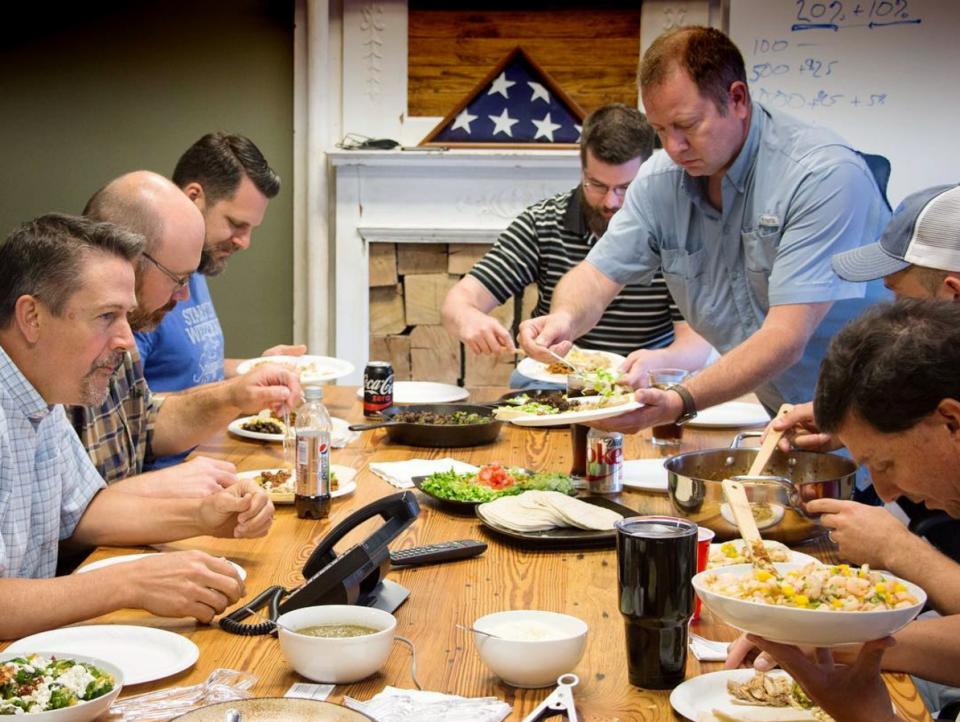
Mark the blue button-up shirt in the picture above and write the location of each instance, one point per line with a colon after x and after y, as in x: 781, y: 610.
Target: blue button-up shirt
x: 795, y: 195
x: 46, y: 478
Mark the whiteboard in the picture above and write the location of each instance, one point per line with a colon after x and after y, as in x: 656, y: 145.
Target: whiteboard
x: 884, y: 74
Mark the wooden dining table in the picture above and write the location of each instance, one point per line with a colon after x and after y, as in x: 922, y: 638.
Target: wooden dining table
x: 579, y: 582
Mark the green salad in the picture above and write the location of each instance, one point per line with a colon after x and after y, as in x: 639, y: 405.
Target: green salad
x: 493, y: 481
x: 37, y: 684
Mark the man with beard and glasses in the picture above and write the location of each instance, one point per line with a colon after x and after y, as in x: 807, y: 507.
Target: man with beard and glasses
x: 65, y: 291
x: 230, y: 182
x: 133, y: 426
x: 553, y: 236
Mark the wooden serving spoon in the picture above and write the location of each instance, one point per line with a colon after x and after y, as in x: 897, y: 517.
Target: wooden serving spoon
x: 737, y: 499
x: 768, y: 446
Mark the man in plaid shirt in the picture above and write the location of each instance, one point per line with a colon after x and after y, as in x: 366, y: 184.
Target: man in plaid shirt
x: 133, y: 425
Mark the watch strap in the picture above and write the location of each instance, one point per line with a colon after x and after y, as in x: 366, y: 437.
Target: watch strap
x: 689, y: 406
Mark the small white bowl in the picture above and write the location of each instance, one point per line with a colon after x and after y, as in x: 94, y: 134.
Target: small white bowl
x: 337, y: 660
x: 85, y: 711
x: 819, y: 627
x: 536, y: 663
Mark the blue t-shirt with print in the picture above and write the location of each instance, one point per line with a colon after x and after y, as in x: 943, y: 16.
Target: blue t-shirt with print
x: 184, y: 351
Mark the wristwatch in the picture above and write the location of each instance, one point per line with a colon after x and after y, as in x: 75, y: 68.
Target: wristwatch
x: 689, y: 406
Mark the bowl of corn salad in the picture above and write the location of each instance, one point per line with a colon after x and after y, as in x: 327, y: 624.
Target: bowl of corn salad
x: 819, y: 604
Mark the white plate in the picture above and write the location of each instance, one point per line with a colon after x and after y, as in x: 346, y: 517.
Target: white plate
x: 143, y: 654
x: 537, y: 370
x: 707, y: 692
x: 793, y: 557
x: 424, y: 392
x: 341, y: 431
x: 110, y: 561
x: 312, y: 368
x: 575, y: 417
x: 346, y: 476
x: 645, y: 474
x: 732, y: 413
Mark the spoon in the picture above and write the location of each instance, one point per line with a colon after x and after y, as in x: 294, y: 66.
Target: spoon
x: 562, y: 360
x: 474, y: 629
x: 768, y: 446
x: 737, y: 499
x: 265, y: 618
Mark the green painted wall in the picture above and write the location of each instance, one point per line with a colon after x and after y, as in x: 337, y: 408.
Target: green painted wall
x: 87, y: 93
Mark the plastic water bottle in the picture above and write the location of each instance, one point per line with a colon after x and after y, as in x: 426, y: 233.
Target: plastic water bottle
x: 312, y: 430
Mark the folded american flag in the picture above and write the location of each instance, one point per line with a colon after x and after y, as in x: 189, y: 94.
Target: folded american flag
x: 517, y: 103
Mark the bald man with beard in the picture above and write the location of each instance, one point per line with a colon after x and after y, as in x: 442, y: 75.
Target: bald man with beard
x: 133, y: 425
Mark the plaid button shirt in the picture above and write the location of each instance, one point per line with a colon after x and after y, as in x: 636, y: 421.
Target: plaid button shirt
x: 46, y: 479
x: 118, y: 433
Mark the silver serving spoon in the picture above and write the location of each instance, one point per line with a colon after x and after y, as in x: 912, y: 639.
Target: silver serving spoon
x: 267, y: 619
x: 474, y: 629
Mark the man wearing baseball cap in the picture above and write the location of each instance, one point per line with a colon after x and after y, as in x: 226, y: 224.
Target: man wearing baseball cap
x: 918, y: 255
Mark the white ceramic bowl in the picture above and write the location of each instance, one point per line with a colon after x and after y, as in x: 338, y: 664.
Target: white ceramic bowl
x: 531, y: 664
x: 85, y: 711
x: 325, y: 659
x: 822, y: 628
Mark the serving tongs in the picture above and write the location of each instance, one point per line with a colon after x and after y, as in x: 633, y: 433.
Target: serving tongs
x: 754, y: 549
x: 560, y: 700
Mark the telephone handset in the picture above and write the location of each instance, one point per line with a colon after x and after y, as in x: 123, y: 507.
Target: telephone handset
x: 352, y: 577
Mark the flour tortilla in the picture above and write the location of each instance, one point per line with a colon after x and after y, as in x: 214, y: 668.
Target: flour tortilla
x: 541, y: 510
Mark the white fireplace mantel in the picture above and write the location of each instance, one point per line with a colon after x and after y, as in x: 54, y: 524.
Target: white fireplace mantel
x: 455, y: 196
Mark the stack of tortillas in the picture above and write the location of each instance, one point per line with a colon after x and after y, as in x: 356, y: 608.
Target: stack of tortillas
x: 542, y: 510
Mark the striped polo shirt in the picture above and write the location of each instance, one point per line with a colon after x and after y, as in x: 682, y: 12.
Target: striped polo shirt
x: 548, y: 239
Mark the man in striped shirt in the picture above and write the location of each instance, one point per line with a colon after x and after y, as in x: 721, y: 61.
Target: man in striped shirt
x: 551, y: 237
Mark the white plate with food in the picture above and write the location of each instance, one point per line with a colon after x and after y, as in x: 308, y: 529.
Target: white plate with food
x: 553, y: 372
x: 282, y: 488
x: 728, y: 553
x: 143, y: 654
x: 123, y: 558
x: 706, y: 693
x: 340, y: 436
x: 424, y: 392
x: 59, y: 688
x: 592, y: 408
x: 731, y: 414
x: 312, y: 369
x: 816, y: 604
x: 645, y: 474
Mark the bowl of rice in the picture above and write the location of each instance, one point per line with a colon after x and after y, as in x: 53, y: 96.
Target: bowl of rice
x: 812, y: 604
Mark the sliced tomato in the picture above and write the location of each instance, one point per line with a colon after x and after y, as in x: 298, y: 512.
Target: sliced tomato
x: 495, y: 476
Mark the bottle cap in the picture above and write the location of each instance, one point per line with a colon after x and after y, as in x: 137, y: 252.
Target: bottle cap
x: 313, y: 393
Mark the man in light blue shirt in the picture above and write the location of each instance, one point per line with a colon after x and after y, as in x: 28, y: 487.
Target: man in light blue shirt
x: 743, y: 211
x: 65, y: 292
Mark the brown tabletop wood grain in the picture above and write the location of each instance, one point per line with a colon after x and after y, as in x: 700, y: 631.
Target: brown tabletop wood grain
x: 578, y: 582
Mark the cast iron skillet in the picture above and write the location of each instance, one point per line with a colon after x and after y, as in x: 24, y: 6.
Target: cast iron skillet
x: 436, y: 435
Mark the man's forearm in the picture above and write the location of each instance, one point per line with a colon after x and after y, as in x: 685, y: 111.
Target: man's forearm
x: 583, y: 294
x: 773, y: 348
x: 115, y: 518
x: 230, y: 367
x: 186, y: 420
x: 28, y: 606
x: 924, y: 650
x: 689, y: 350
x: 915, y: 559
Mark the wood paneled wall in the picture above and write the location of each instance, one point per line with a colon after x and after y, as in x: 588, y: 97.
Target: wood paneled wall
x: 591, y: 51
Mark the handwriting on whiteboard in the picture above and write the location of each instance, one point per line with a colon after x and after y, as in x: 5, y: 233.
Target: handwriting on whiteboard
x: 837, y: 14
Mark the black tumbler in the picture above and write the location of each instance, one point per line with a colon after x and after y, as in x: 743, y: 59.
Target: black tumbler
x: 656, y: 561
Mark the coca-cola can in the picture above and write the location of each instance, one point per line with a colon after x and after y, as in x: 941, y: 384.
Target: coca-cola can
x: 605, y: 461
x: 377, y: 387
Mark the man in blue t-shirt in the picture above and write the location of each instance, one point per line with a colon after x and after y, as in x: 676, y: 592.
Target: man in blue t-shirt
x: 230, y: 181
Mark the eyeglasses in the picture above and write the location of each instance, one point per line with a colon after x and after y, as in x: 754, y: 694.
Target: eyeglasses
x: 178, y: 281
x: 602, y: 189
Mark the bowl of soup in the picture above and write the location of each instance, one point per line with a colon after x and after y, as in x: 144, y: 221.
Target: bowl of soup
x: 336, y: 643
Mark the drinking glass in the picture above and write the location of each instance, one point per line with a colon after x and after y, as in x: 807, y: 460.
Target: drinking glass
x: 667, y: 434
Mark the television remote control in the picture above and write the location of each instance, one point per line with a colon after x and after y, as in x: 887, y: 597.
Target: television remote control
x: 437, y: 553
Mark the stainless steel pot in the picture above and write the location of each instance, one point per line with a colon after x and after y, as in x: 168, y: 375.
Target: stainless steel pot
x: 778, y: 500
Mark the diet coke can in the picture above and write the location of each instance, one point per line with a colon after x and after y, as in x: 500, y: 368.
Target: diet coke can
x: 377, y: 387
x: 605, y: 461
